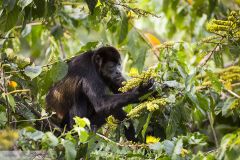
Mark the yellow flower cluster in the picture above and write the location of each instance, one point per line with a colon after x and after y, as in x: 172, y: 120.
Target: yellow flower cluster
x: 7, y: 138
x: 133, y: 72
x: 112, y: 122
x: 19, y: 60
x: 212, y: 27
x: 227, y: 76
x: 151, y: 139
x: 226, y: 27
x: 209, y: 39
x: 164, y: 45
x: 150, y: 105
x: 233, y: 71
x: 235, y: 104
x: 184, y: 152
x: 222, y: 23
x: 12, y: 84
x: 138, y: 79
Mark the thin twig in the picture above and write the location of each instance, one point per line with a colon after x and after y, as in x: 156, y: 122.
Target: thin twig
x: 235, y: 84
x: 49, y: 124
x: 39, y: 116
x: 156, y: 53
x: 16, y: 91
x: 71, y: 3
x: 209, y: 55
x: 119, y: 144
x: 6, y: 37
x: 17, y: 71
x: 32, y: 24
x: 233, y: 93
x: 107, y: 139
x: 213, y: 130
x: 62, y: 49
x: 30, y: 120
x: 232, y: 64
x: 138, y: 11
x: 6, y: 98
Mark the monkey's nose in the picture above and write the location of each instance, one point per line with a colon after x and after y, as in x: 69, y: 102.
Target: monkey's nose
x: 117, y: 73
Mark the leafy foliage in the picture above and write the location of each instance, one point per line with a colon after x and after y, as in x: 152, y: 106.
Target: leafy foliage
x: 191, y: 49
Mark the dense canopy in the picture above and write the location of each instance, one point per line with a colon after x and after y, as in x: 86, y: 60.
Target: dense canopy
x: 190, y: 48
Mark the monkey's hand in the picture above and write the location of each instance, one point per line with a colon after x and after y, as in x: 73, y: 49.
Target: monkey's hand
x: 146, y: 87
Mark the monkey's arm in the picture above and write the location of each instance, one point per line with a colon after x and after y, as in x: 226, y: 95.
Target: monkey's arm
x: 106, y: 104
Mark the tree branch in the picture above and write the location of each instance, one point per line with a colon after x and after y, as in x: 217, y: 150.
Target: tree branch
x: 209, y: 55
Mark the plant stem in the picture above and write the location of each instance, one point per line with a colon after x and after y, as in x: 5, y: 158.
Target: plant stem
x: 6, y: 98
x: 213, y: 130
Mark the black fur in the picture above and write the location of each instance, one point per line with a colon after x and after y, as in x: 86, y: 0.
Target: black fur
x: 84, y: 91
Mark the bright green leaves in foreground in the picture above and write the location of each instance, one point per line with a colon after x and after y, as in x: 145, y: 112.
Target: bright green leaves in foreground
x: 193, y: 111
x: 63, y: 146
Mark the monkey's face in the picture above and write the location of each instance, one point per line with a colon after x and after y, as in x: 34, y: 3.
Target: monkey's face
x: 112, y: 71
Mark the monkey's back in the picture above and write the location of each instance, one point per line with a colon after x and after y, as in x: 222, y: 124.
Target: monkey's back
x: 62, y: 95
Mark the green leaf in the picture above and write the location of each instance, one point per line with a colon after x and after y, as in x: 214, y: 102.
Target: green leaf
x: 217, y: 85
x: 182, y: 70
x: 218, y: 59
x: 57, y: 31
x: 11, y: 19
x: 37, y: 45
x: 168, y: 146
x: 195, y: 102
x: 212, y: 6
x: 234, y: 48
x: 155, y: 146
x: 82, y: 122
x: 173, y: 84
x: 9, y: 4
x: 177, y: 149
x: 3, y: 118
x: 82, y: 151
x: 146, y: 125
x: 141, y: 122
x: 123, y: 29
x: 44, y: 82
x: 112, y: 24
x: 226, y: 140
x: 89, y: 46
x: 58, y: 71
x: 189, y: 82
x: 27, y: 30
x: 33, y: 134
x: 179, y: 115
x: 10, y: 100
x: 203, y: 101
x: 228, y: 105
x: 33, y: 71
x: 50, y: 140
x: 83, y: 136
x: 24, y: 3
x: 137, y: 49
x: 70, y: 151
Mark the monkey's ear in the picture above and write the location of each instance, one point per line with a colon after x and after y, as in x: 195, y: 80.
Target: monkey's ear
x: 98, y: 60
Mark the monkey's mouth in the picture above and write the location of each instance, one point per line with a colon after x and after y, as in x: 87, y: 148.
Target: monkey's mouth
x: 119, y: 79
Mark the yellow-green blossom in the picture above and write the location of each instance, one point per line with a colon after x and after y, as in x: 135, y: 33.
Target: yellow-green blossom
x: 138, y: 79
x: 150, y: 105
x: 151, y: 139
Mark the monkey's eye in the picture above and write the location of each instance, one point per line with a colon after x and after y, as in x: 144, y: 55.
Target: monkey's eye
x: 111, y: 64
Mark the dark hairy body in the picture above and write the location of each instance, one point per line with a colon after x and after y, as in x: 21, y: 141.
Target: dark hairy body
x: 90, y: 89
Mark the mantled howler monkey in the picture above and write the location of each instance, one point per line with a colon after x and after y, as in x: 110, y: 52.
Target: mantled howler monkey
x: 90, y: 89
